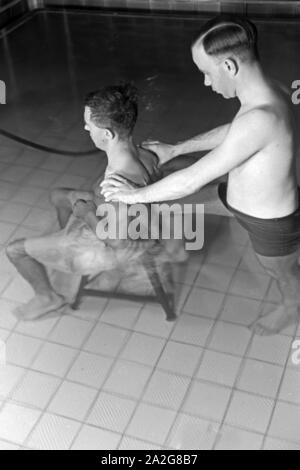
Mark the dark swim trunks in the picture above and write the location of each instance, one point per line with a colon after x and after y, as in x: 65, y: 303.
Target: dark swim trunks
x: 269, y: 237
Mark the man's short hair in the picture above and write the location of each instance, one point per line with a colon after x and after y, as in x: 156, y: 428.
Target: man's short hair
x: 114, y: 107
x: 229, y: 35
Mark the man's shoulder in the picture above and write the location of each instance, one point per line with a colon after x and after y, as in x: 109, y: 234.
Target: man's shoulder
x: 259, y: 118
x: 148, y: 157
x: 253, y: 128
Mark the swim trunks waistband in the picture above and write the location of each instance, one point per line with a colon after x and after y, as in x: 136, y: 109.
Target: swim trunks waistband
x: 269, y: 237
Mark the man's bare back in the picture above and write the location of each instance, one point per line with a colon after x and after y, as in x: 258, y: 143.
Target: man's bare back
x: 265, y: 185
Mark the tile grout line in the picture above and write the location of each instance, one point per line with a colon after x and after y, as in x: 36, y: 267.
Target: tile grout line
x: 234, y: 387
x: 277, y: 398
x: 124, y: 396
x: 139, y: 401
x: 189, y: 414
x: 17, y: 385
x: 238, y: 376
x: 114, y: 326
x: 193, y: 379
x: 62, y: 379
x: 115, y: 359
x: 154, y: 368
x: 170, y: 336
x: 207, y: 342
x: 243, y: 359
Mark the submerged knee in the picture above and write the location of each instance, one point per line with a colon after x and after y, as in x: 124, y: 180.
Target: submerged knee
x: 16, y: 249
x: 59, y: 197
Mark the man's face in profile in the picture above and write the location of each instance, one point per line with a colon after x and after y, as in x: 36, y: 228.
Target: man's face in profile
x: 97, y: 134
x: 214, y: 70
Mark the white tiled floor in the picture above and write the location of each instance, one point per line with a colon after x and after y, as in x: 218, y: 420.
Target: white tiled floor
x: 250, y: 412
x: 116, y: 375
x: 112, y: 412
x: 120, y: 377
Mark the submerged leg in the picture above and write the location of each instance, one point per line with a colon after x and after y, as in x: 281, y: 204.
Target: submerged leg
x: 46, y: 300
x: 286, y: 272
x: 60, y: 200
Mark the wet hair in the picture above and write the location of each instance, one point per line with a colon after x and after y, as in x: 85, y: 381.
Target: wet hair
x: 114, y: 107
x: 229, y: 35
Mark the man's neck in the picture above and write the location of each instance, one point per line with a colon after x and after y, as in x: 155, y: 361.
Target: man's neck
x: 253, y: 85
x: 120, y: 152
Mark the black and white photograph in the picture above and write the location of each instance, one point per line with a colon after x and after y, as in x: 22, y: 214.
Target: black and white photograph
x: 149, y: 227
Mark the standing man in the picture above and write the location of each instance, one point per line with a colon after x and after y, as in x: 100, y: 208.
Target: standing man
x: 257, y: 151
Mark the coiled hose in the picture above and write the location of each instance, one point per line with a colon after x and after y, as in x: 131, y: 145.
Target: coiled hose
x: 43, y: 148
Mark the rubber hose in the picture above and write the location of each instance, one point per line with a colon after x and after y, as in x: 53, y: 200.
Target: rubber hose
x: 36, y: 146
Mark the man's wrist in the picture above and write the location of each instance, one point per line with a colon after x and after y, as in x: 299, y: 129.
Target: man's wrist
x: 176, y: 150
x: 139, y: 195
x: 136, y: 196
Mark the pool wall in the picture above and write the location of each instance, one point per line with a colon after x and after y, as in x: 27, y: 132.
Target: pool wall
x: 274, y: 8
x: 11, y: 10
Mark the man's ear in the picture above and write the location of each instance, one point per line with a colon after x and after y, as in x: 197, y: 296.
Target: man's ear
x: 109, y: 134
x: 231, y: 66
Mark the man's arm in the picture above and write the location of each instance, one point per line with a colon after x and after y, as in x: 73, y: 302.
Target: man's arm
x: 207, y: 141
x: 248, y: 134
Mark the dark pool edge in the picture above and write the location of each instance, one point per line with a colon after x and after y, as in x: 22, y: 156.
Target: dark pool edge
x: 133, y: 13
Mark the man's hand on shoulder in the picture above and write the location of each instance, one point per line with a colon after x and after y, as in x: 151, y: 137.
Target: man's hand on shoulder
x: 116, y: 188
x: 164, y: 152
